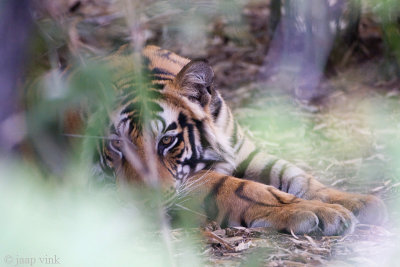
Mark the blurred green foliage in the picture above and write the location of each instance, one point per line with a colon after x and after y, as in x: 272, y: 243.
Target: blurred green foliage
x: 81, y: 227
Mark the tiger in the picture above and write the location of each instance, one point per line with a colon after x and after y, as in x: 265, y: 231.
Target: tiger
x: 195, y: 146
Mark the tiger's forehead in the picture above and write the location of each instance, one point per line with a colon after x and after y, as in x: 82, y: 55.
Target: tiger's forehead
x: 163, y: 60
x: 161, y: 64
x: 170, y: 107
x: 165, y: 121
x: 173, y: 108
x: 161, y: 101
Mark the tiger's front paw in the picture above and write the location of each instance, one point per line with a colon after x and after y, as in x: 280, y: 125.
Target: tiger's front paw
x: 311, y: 216
x: 367, y: 208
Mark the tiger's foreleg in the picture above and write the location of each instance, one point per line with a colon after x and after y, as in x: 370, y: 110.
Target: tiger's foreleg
x: 232, y: 202
x: 293, y: 180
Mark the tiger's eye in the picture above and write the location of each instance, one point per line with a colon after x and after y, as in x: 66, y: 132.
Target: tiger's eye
x: 166, y: 140
x: 116, y: 143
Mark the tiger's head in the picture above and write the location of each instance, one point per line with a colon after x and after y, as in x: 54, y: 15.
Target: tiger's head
x: 173, y: 129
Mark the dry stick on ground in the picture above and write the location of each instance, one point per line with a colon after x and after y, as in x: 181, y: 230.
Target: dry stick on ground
x: 211, y: 236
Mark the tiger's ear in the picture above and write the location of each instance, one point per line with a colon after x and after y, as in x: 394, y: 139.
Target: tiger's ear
x: 195, y: 81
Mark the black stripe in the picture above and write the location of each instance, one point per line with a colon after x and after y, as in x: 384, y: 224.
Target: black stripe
x: 234, y: 136
x: 266, y: 172
x: 241, y: 169
x: 126, y: 99
x: 210, y: 202
x: 170, y: 171
x: 291, y: 180
x: 239, y: 194
x: 112, y: 129
x: 217, y: 109
x: 129, y: 108
x: 108, y: 157
x: 225, y: 220
x: 161, y: 71
x: 170, y: 127
x: 130, y: 93
x: 160, y: 78
x: 243, y: 218
x: 182, y: 120
x: 179, y: 155
x: 103, y: 165
x: 280, y: 200
x: 75, y: 6
x: 241, y: 144
x: 276, y: 196
x: 158, y: 86
x: 203, y: 140
x: 146, y: 62
x: 284, y: 167
x: 192, y: 140
x: 321, y: 225
x: 123, y: 83
x: 133, y: 125
x: 164, y: 53
x: 140, y: 108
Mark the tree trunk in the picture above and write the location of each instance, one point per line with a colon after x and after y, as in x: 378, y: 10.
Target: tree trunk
x: 15, y: 25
